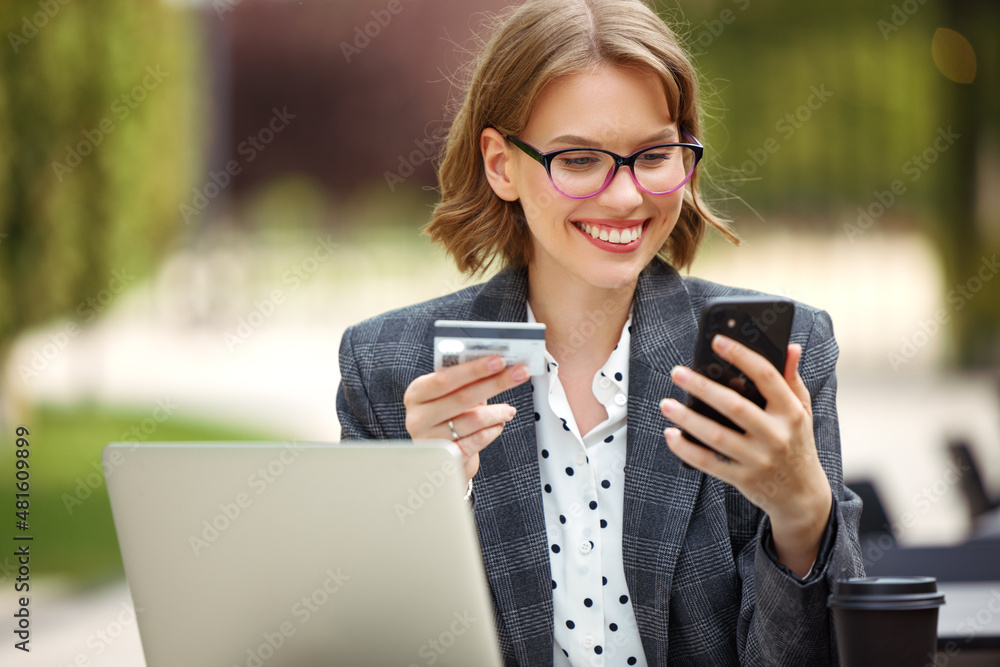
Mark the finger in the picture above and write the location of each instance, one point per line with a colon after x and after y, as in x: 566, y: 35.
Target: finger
x: 465, y: 398
x: 471, y: 466
x: 440, y: 383
x: 794, y: 378
x: 476, y: 442
x: 480, y: 417
x: 739, y: 409
x: 769, y: 381
x: 722, y: 439
x: 702, y: 458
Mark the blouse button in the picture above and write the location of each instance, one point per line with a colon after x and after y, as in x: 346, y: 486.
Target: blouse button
x: 605, y: 383
x: 621, y: 399
x: 586, y: 546
x: 581, y: 459
x: 589, y: 642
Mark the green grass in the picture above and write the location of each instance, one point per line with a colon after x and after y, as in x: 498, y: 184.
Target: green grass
x: 69, y: 517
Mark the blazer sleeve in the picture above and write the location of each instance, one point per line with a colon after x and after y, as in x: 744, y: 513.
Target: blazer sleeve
x: 354, y: 407
x: 784, y: 620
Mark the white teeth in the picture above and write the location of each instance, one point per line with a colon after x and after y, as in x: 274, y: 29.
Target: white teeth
x: 614, y: 235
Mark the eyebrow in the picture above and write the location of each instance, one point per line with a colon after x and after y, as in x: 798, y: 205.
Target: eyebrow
x: 667, y: 135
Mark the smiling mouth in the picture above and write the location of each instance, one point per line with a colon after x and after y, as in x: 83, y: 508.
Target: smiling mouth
x: 611, y: 234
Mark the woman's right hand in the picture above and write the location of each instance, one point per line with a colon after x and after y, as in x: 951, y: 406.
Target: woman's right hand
x: 458, y: 394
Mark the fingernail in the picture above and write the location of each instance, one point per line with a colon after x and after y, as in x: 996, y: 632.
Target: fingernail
x: 680, y: 373
x: 496, y: 364
x: 666, y: 405
x: 511, y: 411
x: 721, y: 343
x: 520, y: 374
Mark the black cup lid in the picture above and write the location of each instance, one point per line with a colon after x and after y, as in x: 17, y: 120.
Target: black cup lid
x: 886, y: 593
x: 887, y: 586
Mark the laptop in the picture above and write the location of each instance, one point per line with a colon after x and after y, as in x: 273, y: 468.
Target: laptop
x: 301, y: 555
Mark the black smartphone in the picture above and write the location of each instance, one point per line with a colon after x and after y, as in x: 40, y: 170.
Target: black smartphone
x: 763, y: 324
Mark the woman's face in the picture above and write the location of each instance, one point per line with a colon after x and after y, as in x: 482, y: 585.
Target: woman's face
x: 615, y: 109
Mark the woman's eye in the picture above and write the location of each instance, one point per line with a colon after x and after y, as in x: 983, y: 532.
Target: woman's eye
x: 656, y: 157
x: 577, y: 160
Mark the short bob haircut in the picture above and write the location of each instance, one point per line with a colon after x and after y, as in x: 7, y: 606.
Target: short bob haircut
x: 533, y: 45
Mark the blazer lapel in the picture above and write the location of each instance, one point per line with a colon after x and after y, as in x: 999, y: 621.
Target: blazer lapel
x: 660, y: 493
x: 508, y: 499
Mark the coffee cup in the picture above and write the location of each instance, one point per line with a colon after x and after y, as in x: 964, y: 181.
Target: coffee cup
x: 886, y: 620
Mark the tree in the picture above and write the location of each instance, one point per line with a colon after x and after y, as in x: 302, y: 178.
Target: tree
x: 96, y: 127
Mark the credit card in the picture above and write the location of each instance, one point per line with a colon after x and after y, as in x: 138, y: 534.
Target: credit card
x: 458, y: 341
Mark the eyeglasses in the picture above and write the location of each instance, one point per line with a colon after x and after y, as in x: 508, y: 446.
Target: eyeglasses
x: 579, y: 173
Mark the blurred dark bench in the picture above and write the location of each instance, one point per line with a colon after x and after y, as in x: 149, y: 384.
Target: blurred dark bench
x: 974, y: 560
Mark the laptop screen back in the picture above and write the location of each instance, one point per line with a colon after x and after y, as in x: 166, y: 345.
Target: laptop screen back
x: 266, y: 555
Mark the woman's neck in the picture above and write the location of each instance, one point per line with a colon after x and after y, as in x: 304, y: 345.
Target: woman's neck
x: 583, y: 323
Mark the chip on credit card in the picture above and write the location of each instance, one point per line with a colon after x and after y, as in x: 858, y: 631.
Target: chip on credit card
x: 458, y: 341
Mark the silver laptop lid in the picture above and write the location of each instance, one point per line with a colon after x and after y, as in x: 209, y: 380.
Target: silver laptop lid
x: 299, y: 555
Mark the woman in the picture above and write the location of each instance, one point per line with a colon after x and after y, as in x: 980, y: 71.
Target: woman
x: 600, y: 547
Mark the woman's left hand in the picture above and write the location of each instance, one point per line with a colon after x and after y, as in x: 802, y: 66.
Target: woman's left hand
x: 774, y: 463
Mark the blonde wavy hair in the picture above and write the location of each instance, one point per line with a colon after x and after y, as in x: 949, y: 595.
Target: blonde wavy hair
x: 530, y: 46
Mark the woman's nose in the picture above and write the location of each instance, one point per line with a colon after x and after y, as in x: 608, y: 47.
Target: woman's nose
x: 622, y: 193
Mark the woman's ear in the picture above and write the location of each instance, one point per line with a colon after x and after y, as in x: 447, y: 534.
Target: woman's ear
x: 498, y: 164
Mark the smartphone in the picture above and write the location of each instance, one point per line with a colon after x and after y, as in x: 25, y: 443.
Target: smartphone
x: 763, y: 324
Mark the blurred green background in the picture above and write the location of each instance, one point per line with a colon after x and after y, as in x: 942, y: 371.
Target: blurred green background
x: 117, y: 116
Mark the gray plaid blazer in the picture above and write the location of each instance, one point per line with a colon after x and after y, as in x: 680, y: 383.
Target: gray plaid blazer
x: 704, y: 590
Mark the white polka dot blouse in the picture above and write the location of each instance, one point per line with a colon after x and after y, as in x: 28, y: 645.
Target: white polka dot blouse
x: 582, y: 478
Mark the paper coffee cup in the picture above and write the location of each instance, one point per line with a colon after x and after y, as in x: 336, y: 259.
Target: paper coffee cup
x: 886, y: 620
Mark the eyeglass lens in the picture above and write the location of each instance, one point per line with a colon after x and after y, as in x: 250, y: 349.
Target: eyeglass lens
x: 581, y: 173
